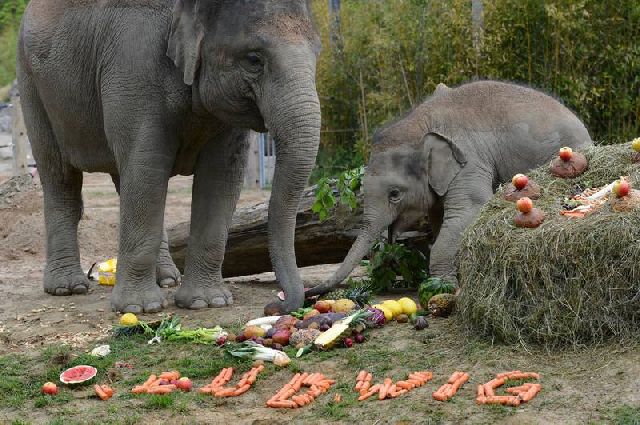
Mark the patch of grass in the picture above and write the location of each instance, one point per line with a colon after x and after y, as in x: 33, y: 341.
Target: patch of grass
x: 156, y: 401
x: 626, y: 415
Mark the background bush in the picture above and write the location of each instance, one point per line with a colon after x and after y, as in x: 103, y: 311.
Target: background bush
x: 388, y: 55
x: 392, y: 54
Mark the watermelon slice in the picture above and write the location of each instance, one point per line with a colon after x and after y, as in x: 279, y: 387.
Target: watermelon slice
x: 78, y: 375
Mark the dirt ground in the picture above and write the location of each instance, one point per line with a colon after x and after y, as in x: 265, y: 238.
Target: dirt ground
x: 587, y: 385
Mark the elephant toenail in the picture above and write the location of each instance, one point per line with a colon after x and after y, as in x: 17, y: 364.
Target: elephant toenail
x: 62, y: 291
x: 218, y: 302
x: 199, y: 304
x: 153, y: 307
x: 80, y: 289
x: 133, y: 308
x: 229, y: 300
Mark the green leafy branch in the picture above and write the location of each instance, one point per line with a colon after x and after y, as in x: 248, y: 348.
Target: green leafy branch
x: 347, y: 186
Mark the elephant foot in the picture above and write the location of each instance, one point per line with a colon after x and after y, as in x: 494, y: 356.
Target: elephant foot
x: 279, y: 308
x: 167, y: 274
x: 66, y: 285
x: 143, y: 298
x: 197, y: 297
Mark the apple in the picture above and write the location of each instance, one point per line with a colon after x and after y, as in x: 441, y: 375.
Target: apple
x: 184, y: 384
x: 566, y: 154
x: 524, y: 205
x: 322, y: 306
x: 520, y: 181
x: 621, y: 188
x: 50, y: 388
x: 636, y: 144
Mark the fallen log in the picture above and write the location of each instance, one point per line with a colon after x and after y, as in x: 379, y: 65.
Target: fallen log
x: 316, y: 242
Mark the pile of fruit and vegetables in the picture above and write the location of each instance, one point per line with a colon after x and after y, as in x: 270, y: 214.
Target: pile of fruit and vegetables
x: 550, y: 266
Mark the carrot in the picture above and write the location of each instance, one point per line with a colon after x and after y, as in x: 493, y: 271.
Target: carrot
x: 439, y: 396
x: 228, y: 375
x: 427, y: 374
x: 462, y: 379
x: 531, y: 393
x: 282, y: 404
x: 372, y: 391
x: 315, y: 391
x: 405, y: 385
x: 415, y: 382
x: 454, y: 377
x: 359, y: 385
x: 107, y: 389
x: 298, y: 399
x: 495, y: 383
x: 505, y: 374
x: 224, y: 392
x: 488, y: 390
x: 152, y: 378
x: 169, y: 387
x: 159, y: 390
x: 365, y: 387
x: 369, y: 377
x: 480, y: 391
x: 100, y: 392
x: 481, y: 400
x: 241, y: 390
x: 504, y: 400
x: 205, y: 390
x: 385, y: 388
x: 138, y: 389
x: 523, y: 375
x: 362, y: 375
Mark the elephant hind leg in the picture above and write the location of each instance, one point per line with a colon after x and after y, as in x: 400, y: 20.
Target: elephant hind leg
x: 167, y: 274
x: 62, y: 190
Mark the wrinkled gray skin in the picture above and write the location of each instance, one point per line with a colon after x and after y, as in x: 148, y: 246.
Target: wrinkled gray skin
x: 445, y: 159
x: 148, y: 89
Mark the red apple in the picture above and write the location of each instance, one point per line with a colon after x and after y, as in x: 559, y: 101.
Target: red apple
x: 621, y: 188
x: 184, y: 384
x: 520, y: 181
x: 322, y: 306
x: 50, y: 388
x: 524, y: 205
x: 566, y: 154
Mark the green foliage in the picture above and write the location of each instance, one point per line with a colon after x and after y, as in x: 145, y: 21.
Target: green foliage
x: 10, y: 15
x: 392, y: 54
x: 392, y: 260
x: 346, y: 185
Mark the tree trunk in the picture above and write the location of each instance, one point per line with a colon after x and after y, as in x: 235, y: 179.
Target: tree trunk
x: 477, y: 23
x: 316, y: 243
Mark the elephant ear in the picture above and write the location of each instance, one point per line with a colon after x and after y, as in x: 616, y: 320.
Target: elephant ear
x: 185, y: 38
x: 444, y: 160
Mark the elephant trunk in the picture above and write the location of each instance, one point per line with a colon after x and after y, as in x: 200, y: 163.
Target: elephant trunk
x: 359, y: 249
x: 294, y: 123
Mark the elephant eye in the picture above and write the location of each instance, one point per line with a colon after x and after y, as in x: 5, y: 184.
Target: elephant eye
x: 395, y: 195
x: 254, y: 59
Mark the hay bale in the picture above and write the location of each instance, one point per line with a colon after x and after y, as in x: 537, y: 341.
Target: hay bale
x: 570, y: 281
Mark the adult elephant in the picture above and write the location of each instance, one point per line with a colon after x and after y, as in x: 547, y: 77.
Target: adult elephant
x: 148, y: 89
x: 445, y: 159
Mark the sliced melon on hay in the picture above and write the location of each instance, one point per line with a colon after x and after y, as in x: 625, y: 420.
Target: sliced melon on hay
x: 76, y: 375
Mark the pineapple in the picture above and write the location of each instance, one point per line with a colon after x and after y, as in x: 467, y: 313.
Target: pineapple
x: 340, y: 329
x: 359, y: 293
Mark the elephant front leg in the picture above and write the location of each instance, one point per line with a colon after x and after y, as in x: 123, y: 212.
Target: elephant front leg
x: 143, y: 191
x: 167, y: 274
x: 459, y: 213
x: 216, y: 189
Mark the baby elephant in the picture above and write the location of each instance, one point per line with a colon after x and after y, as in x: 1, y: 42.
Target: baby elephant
x: 445, y: 159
